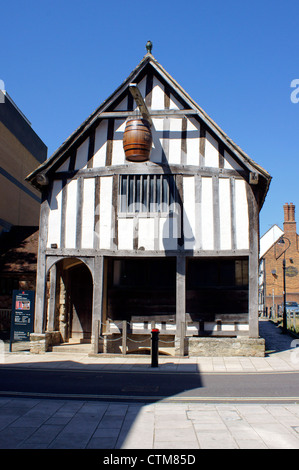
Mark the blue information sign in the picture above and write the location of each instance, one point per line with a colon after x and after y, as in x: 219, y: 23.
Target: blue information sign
x: 22, y: 315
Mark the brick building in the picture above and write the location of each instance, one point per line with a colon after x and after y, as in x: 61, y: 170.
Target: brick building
x: 271, y: 264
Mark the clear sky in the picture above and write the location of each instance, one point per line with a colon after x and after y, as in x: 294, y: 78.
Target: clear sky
x: 61, y: 59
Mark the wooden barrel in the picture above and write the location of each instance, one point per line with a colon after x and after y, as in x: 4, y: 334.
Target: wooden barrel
x: 137, y: 140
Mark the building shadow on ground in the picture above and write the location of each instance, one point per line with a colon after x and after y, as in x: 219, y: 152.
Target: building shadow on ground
x: 275, y: 340
x: 115, y: 404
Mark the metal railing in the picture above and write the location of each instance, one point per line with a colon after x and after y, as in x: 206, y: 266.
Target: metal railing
x: 123, y: 329
x: 5, y: 318
x: 170, y: 334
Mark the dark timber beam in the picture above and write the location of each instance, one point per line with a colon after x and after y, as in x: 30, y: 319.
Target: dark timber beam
x: 180, y: 304
x: 135, y: 92
x: 159, y: 113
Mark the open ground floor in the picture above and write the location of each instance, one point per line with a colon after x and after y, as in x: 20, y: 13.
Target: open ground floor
x: 200, y: 305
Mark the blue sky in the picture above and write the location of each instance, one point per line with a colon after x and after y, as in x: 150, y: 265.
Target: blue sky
x: 237, y: 59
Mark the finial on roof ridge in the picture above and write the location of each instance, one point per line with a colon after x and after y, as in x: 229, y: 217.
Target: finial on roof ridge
x: 149, y: 46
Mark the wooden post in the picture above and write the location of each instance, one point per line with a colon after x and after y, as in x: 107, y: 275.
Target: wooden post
x: 124, y: 338
x: 41, y: 268
x: 97, y: 299
x: 182, y: 338
x: 180, y: 303
x: 52, y: 299
x: 253, y: 217
x: 96, y: 337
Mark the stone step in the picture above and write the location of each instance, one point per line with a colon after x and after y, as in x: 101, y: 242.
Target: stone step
x: 83, y: 348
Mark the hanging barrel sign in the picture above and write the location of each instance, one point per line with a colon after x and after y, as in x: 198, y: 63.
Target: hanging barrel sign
x: 137, y: 141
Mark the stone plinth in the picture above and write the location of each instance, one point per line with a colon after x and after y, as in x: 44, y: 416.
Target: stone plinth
x: 226, y: 347
x: 43, y: 342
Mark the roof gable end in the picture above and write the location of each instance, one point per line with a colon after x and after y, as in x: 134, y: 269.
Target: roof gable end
x: 163, y: 95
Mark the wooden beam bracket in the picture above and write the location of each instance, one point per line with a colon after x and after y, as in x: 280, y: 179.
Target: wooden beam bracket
x: 135, y: 92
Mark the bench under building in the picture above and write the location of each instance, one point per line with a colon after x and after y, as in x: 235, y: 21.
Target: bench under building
x: 134, y: 237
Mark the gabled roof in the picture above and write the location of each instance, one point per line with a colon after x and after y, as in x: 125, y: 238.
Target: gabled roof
x: 148, y: 60
x: 269, y: 239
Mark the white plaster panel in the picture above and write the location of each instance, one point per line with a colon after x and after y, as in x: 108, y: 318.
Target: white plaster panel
x: 243, y: 327
x: 138, y: 326
x: 207, y: 221
x: 169, y: 229
x: 118, y: 154
x: 105, y: 211
x: 71, y: 214
x: 230, y: 163
x: 175, y: 141
x: 157, y: 95
x: 225, y: 214
x: 193, y: 133
x: 54, y: 225
x: 192, y: 329
x: 170, y: 327
x: 157, y: 134
x: 88, y: 213
x: 64, y: 166
x: 146, y: 233
x: 123, y: 105
x: 211, y: 151
x: 125, y: 234
x: 228, y: 327
x: 142, y: 88
x: 100, y: 145
x: 241, y: 210
x: 82, y: 155
x: 174, y: 104
x: 189, y: 212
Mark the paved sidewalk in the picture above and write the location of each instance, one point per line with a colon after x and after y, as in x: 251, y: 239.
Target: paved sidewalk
x: 281, y: 355
x: 34, y: 423
x: 61, y: 424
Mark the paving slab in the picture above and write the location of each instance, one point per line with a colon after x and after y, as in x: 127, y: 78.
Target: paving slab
x: 36, y: 423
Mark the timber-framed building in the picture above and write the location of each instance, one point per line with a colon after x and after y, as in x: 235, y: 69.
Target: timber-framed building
x: 172, y: 241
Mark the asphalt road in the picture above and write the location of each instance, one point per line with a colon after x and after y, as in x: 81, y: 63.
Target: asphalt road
x: 150, y: 386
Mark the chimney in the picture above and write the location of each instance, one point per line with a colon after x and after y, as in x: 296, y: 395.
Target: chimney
x: 289, y: 224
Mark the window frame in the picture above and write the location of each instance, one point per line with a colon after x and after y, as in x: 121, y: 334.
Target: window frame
x: 155, y: 186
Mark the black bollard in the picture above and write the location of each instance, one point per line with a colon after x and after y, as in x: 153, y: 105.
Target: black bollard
x: 155, y: 347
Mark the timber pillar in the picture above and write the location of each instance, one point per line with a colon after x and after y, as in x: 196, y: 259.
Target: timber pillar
x: 97, y: 303
x: 180, y: 306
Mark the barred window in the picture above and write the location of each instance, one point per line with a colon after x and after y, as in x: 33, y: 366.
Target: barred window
x: 147, y: 193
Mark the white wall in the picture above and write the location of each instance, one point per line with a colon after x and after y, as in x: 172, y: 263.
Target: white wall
x: 166, y: 132
x: 215, y: 214
x: 54, y: 223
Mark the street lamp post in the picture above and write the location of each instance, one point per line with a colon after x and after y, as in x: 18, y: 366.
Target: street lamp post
x: 284, y: 315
